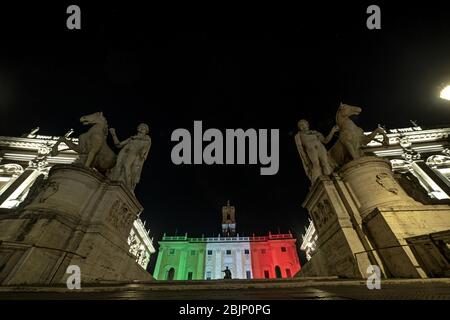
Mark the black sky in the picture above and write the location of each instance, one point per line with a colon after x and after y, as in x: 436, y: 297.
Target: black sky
x: 231, y: 68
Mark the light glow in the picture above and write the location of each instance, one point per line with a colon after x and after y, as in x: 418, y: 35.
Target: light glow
x: 445, y: 93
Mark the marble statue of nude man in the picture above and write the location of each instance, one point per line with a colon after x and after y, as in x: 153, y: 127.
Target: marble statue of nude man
x: 311, y: 147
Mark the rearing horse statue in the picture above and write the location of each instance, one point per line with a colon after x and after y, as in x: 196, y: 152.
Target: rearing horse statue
x: 351, y: 137
x: 92, y: 148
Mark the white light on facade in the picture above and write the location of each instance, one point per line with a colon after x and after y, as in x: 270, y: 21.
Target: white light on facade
x: 445, y: 93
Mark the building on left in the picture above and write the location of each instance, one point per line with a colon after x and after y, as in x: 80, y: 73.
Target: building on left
x: 25, y: 160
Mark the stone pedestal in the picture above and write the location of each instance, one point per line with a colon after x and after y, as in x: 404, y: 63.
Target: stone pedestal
x: 363, y: 217
x: 341, y: 251
x: 371, y: 183
x: 392, y: 231
x: 77, y: 218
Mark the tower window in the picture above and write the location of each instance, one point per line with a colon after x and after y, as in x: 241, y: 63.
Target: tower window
x: 189, y: 276
x: 228, y: 217
x: 228, y: 252
x: 247, y: 251
x: 266, y: 274
x: 192, y: 252
x: 263, y: 251
x: 283, y: 249
x: 172, y: 251
x: 209, y: 252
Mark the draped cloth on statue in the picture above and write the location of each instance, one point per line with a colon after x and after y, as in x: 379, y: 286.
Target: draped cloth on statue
x: 130, y: 161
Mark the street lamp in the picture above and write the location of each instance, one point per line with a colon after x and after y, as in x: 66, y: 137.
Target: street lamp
x: 445, y: 93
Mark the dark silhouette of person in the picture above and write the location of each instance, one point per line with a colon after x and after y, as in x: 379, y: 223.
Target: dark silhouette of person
x: 227, y: 273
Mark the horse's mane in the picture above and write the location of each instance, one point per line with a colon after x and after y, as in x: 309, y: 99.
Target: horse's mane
x: 102, y: 117
x: 341, y: 107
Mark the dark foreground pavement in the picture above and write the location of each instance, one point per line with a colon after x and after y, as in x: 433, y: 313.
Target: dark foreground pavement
x: 311, y: 288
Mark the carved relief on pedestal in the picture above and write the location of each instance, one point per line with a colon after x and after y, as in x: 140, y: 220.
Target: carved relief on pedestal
x: 387, y: 183
x: 120, y: 216
x: 322, y: 214
x: 49, y: 189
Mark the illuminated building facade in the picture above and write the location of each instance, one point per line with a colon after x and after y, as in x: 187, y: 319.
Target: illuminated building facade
x: 274, y: 256
x: 309, y: 242
x: 420, y: 159
x: 26, y: 160
x: 183, y: 258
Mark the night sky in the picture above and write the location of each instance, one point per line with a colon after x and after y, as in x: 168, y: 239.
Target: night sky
x: 231, y: 67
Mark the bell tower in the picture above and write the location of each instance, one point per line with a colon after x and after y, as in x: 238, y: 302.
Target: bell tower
x: 228, y: 220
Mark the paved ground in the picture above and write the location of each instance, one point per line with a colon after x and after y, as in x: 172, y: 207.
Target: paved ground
x: 323, y: 288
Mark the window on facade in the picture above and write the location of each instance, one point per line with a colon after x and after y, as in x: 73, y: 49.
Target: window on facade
x: 249, y: 274
x: 209, y: 252
x: 172, y: 251
x: 266, y: 274
x: 170, y: 274
x: 247, y: 251
x: 263, y: 251
x: 288, y: 273
x: 208, y: 275
x: 283, y: 249
x: 192, y: 252
x: 189, y: 276
x: 228, y: 252
x: 278, y: 272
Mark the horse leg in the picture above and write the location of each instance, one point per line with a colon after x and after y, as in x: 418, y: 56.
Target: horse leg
x: 353, y: 150
x: 371, y: 136
x: 385, y: 141
x: 73, y: 146
x: 54, y: 152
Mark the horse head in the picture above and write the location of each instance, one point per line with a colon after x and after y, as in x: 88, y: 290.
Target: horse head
x: 93, y: 118
x: 345, y: 111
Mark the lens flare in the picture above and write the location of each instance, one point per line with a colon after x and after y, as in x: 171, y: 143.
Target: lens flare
x: 445, y: 93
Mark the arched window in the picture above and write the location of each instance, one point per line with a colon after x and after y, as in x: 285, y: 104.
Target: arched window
x: 171, y: 274
x: 278, y: 272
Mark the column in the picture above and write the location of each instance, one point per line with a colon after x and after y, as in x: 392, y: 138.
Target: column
x: 158, y: 265
x: 181, y: 272
x: 238, y: 262
x: 200, y: 265
x: 218, y: 266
